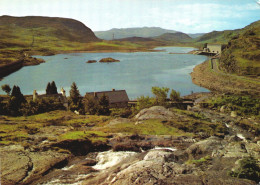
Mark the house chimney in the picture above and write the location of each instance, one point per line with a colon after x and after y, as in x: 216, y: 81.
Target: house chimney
x: 63, y: 92
x: 113, y: 90
x: 35, y: 95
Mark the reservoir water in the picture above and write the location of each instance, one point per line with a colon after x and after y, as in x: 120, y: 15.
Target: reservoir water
x: 136, y: 72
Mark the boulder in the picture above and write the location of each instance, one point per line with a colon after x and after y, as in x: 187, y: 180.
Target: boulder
x: 19, y: 166
x: 159, y: 155
x: 156, y: 112
x: 204, y: 147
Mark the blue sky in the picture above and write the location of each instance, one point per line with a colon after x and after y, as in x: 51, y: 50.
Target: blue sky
x: 190, y: 16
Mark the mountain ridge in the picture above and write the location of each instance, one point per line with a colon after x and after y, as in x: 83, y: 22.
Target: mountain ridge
x: 61, y: 28
x: 120, y: 33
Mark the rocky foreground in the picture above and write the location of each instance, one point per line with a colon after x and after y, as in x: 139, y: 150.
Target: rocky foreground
x: 132, y: 159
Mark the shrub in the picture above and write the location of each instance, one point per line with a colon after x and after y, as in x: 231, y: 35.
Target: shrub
x: 144, y: 102
x: 248, y: 169
x: 243, y: 105
x: 160, y: 94
x: 121, y: 112
x: 175, y: 96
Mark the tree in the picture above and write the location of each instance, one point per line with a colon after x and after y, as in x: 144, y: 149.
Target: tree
x: 160, y: 94
x: 103, y: 108
x: 90, y: 104
x: 75, y: 98
x: 2, y: 107
x: 16, y: 100
x: 175, y: 96
x: 48, y: 88
x: 53, y: 88
x: 6, y: 88
x: 144, y: 102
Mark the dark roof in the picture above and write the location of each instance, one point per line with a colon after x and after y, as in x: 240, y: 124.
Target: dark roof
x: 115, y: 96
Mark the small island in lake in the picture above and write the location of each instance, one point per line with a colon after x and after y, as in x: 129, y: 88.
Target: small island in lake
x: 91, y: 61
x: 109, y: 60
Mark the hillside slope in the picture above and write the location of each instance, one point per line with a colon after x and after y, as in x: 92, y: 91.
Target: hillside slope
x: 223, y: 37
x: 132, y: 32
x: 174, y: 37
x: 242, y: 55
x: 23, y: 29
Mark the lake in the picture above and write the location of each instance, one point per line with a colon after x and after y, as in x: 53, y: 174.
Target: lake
x: 136, y: 72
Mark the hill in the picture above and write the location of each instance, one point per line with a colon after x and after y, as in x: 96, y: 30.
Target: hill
x: 36, y: 35
x: 242, y: 54
x: 136, y: 39
x: 195, y: 35
x: 223, y: 37
x: 49, y: 27
x: 220, y: 37
x: 132, y: 32
x: 174, y: 37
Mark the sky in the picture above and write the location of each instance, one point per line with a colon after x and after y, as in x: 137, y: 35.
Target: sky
x: 189, y: 16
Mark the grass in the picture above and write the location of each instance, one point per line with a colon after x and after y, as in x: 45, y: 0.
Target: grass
x: 91, y: 135
x: 18, y: 129
x: 148, y: 127
x: 201, y: 161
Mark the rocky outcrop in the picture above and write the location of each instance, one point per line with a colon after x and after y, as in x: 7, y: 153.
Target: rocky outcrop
x: 91, y: 61
x: 19, y: 166
x: 156, y: 112
x: 108, y: 60
x: 153, y: 167
x: 205, y: 147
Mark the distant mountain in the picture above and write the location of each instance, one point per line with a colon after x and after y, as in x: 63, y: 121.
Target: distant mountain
x: 174, y: 37
x: 24, y: 31
x: 136, y: 39
x: 195, y: 35
x: 132, y: 32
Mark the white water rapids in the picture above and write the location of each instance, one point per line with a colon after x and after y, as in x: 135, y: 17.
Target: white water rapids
x: 109, y: 158
x: 105, y: 160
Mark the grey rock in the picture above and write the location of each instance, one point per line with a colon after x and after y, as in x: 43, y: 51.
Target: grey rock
x: 156, y: 112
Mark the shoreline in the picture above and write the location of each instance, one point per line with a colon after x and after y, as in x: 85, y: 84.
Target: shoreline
x: 220, y: 82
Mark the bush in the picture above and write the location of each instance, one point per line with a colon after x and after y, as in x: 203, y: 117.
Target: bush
x: 121, y: 112
x: 145, y: 102
x: 175, y: 96
x: 243, y: 105
x: 248, y: 169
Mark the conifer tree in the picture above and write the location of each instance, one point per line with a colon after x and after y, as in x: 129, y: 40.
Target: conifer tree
x: 103, y: 108
x: 75, y: 98
x: 90, y: 104
x: 53, y: 88
x: 16, y: 100
x: 48, y: 88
